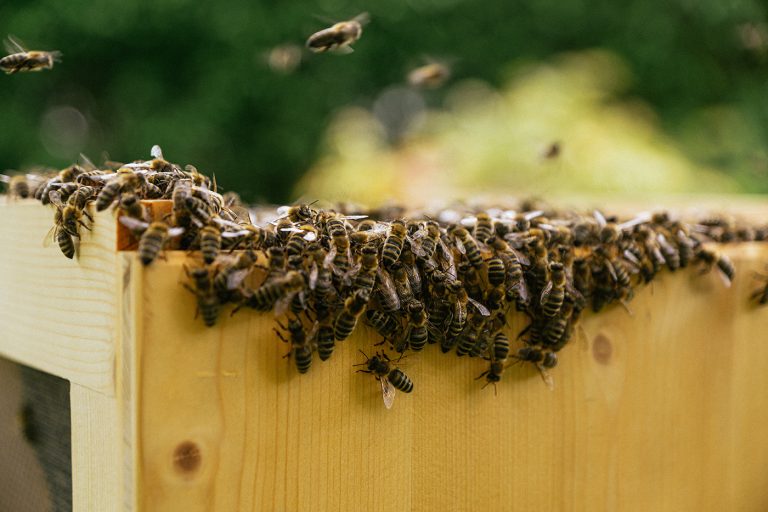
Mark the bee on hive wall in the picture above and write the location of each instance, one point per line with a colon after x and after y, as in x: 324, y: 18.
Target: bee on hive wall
x: 390, y: 378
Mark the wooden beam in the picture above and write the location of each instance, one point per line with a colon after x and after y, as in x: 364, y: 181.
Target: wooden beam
x: 58, y: 315
x: 96, y: 451
x: 654, y: 411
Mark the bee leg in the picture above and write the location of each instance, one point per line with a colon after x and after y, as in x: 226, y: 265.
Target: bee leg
x: 88, y: 215
x: 280, y: 335
x: 524, y: 331
x: 626, y: 307
x: 481, y: 376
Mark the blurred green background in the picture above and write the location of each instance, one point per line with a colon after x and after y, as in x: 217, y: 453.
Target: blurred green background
x: 668, y: 94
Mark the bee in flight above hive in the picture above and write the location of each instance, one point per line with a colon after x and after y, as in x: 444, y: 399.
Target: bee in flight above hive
x: 21, y: 60
x: 338, y: 37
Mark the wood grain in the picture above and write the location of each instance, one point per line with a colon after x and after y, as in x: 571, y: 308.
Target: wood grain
x: 661, y: 410
x: 96, y: 451
x: 58, y: 315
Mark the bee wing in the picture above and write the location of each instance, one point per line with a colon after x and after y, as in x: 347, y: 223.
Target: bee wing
x: 533, y: 214
x: 522, y: 258
x: 545, y: 293
x: 174, y: 232
x: 387, y: 286
x: 611, y: 270
x: 414, y: 278
x: 13, y: 45
x: 311, y: 236
x: 522, y: 290
x: 354, y: 217
x: 283, y: 304
x: 726, y: 280
x: 387, y: 392
x: 600, y: 218
x: 133, y: 224
x: 482, y: 309
x: 5, y: 178
x: 468, y: 222
x: 328, y: 261
x: 460, y: 246
x: 363, y: 18
x: 235, y: 234
x: 292, y: 229
x: 546, y: 377
x: 157, y: 152
x: 55, y: 197
x: 313, y: 273
x: 235, y: 279
x: 642, y: 218
x: 50, y: 236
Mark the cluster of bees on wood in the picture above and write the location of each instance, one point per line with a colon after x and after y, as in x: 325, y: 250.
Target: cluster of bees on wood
x: 447, y: 278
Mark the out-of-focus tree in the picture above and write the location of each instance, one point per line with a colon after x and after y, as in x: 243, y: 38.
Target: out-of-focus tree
x: 202, y: 79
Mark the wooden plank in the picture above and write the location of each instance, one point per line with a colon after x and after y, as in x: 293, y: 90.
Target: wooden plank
x: 96, y: 451
x: 58, y: 315
x: 655, y: 411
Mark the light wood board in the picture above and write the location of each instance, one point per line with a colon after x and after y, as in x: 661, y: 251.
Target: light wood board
x: 662, y: 410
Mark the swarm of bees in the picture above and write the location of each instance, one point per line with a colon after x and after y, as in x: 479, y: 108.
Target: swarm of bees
x: 447, y: 278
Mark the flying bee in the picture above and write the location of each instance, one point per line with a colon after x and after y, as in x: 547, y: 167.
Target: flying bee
x: 542, y: 360
x: 22, y: 60
x: 394, y: 243
x: 152, y: 237
x: 724, y: 265
x: 354, y: 306
x: 338, y: 37
x: 429, y: 76
x: 301, y: 350
x: 391, y: 379
x: 208, y: 304
x: 417, y: 334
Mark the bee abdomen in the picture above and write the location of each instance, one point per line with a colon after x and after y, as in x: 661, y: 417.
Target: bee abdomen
x: 150, y: 246
x: 210, y: 243
x: 66, y: 244
x: 400, y: 381
x: 209, y: 310
x: 345, y: 324
x: 303, y: 357
x: 418, y: 337
x: 496, y: 272
x: 553, y: 303
x: 325, y: 342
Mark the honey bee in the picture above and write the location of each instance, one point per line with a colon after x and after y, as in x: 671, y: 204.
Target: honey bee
x: 391, y: 379
x: 555, y: 328
x: 468, y: 246
x: 497, y: 273
x: 724, y: 265
x: 338, y: 37
x: 416, y: 334
x: 425, y: 241
x: 484, y: 229
x: 269, y: 293
x: 210, y: 243
x: 402, y: 284
x: 498, y: 359
x: 325, y: 338
x: 18, y: 185
x: 394, y: 243
x: 208, y: 304
x: 347, y: 319
x: 409, y: 266
x: 469, y: 336
x: 22, y: 60
x: 761, y: 294
x: 300, y: 347
x: 69, y: 215
x: 123, y: 181
x: 65, y: 241
x: 130, y: 206
x: 554, y: 292
x: 429, y: 76
x: 383, y: 323
x: 152, y: 237
x: 541, y: 359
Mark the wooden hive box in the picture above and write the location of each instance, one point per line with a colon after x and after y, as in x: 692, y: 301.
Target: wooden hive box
x: 662, y: 410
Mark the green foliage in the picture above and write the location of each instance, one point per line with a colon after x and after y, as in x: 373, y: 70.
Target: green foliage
x: 192, y: 76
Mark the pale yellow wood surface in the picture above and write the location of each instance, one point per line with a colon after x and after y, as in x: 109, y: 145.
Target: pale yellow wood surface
x: 58, y: 315
x: 663, y: 410
x: 96, y: 451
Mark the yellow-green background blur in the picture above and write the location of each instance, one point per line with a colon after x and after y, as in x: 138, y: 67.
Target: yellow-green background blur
x: 642, y: 96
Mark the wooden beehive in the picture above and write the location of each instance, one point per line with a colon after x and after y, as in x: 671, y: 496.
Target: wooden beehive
x: 661, y: 410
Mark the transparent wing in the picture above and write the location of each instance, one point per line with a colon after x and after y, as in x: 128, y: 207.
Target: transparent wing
x: 546, y: 377
x: 533, y: 214
x: 134, y: 224
x: 313, y: 273
x: 482, y: 309
x: 600, y: 218
x: 545, y: 293
x: 460, y: 246
x: 157, y: 152
x: 387, y: 392
x: 641, y: 218
x: 55, y: 198
x: 13, y: 45
x: 173, y: 232
x: 387, y: 286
